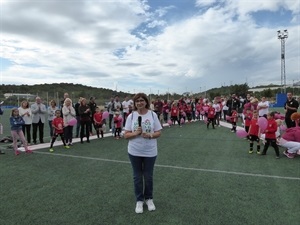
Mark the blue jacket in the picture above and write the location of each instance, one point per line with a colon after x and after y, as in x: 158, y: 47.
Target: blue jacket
x: 16, y: 122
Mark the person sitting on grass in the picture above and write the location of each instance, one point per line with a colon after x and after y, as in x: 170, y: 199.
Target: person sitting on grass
x: 58, y: 126
x: 291, y: 138
x: 16, y: 122
x: 254, y: 132
x: 270, y: 135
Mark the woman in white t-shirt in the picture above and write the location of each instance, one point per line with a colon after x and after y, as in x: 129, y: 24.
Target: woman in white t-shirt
x: 25, y: 113
x: 141, y: 129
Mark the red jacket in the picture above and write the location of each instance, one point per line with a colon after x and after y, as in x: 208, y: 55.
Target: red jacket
x: 98, y: 118
x: 234, y: 116
x: 271, y: 129
x: 248, y: 117
x: 292, y: 134
x: 254, y: 128
x: 211, y: 113
x: 58, y: 125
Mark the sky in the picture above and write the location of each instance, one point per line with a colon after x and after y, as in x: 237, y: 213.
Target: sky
x: 151, y: 46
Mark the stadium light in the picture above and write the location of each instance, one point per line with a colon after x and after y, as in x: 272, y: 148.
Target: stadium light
x: 282, y: 35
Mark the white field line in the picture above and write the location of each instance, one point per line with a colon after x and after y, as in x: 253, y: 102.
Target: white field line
x: 177, y: 167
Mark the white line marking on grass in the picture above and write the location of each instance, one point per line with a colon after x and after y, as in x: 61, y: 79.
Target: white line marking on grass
x: 176, y: 167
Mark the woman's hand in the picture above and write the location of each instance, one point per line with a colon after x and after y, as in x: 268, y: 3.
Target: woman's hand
x: 138, y: 131
x: 147, y: 135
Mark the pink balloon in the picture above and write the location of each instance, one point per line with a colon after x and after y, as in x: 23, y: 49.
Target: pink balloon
x: 283, y: 127
x: 167, y: 110
x: 170, y: 122
x: 72, y: 122
x: 105, y: 115
x: 228, y: 118
x: 262, y: 123
x: 241, y: 133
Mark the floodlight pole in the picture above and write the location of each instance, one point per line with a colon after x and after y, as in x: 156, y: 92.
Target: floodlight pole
x: 282, y: 35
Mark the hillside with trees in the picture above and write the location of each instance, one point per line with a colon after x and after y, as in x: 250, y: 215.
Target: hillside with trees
x: 56, y: 91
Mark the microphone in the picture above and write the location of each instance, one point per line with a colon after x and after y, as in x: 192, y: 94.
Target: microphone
x: 140, y: 121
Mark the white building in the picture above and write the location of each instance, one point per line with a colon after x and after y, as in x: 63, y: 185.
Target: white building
x: 27, y: 96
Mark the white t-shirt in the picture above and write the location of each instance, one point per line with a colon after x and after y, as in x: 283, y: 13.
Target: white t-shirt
x: 27, y: 119
x: 139, y: 146
x: 217, y: 107
x: 125, y: 105
x: 263, y: 111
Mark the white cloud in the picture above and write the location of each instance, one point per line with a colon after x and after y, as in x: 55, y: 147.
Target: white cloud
x: 104, y: 43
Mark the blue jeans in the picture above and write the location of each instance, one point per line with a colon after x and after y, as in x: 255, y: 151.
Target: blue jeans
x: 142, y: 176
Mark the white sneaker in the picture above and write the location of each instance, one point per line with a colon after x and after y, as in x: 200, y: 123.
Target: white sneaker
x: 150, y: 204
x: 139, y: 207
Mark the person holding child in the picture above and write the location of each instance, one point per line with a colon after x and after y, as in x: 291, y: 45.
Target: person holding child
x: 142, y: 128
x: 16, y: 123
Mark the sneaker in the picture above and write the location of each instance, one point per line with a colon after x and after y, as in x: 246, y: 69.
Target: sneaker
x: 258, y: 152
x: 290, y: 155
x: 277, y: 157
x: 29, y: 151
x: 70, y: 144
x: 150, y: 204
x: 2, y: 152
x: 51, y: 150
x: 67, y: 146
x: 250, y: 152
x: 285, y: 153
x: 139, y: 207
x: 17, y: 152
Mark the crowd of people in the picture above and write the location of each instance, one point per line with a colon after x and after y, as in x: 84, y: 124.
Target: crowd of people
x: 90, y: 119
x: 142, y: 121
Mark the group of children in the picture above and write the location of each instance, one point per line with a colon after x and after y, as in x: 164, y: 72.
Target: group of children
x: 254, y: 132
x: 176, y: 114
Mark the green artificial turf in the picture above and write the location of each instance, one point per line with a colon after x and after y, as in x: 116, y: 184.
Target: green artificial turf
x: 201, y: 177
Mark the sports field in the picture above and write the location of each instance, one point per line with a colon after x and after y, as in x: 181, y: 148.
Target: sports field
x: 201, y: 177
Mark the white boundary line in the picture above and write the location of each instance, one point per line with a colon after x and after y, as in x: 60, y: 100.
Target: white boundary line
x: 176, y: 167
